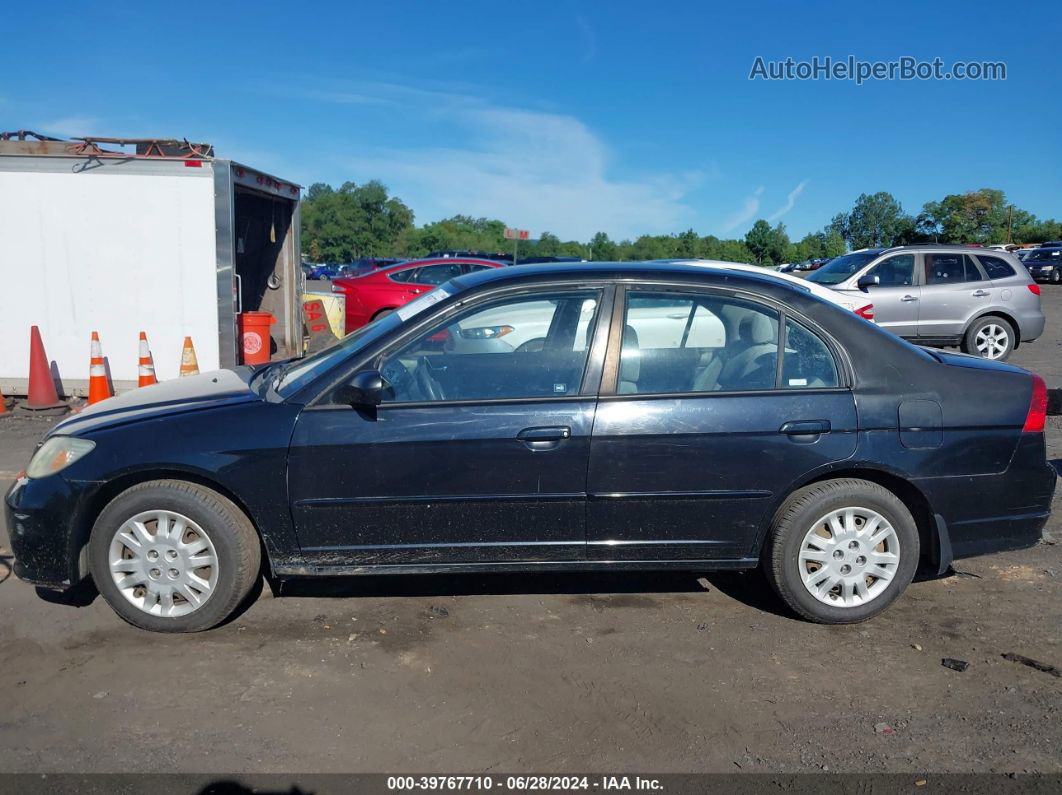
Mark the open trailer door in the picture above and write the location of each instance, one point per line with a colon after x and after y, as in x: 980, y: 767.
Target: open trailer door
x: 258, y: 258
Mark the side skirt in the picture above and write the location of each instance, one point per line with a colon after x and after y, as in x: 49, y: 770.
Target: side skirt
x: 317, y: 570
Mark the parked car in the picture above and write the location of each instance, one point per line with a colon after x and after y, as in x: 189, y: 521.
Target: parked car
x: 326, y: 271
x: 980, y: 300
x: 782, y: 439
x: 859, y: 304
x: 1044, y: 264
x: 379, y: 292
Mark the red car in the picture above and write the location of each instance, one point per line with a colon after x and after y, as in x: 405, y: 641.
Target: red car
x: 382, y: 291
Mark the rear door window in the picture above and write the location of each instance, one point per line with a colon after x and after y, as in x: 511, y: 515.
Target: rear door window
x: 996, y: 267
x: 436, y: 274
x: 950, y: 269
x: 807, y: 362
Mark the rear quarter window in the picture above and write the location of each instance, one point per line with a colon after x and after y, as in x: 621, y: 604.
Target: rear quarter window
x: 996, y: 267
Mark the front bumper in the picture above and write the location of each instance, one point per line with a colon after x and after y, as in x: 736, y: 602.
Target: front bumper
x: 45, y: 523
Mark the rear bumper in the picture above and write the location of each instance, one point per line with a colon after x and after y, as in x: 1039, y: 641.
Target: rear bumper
x: 1032, y: 326
x: 982, y: 515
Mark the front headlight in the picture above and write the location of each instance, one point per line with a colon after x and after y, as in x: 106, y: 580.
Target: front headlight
x: 56, y: 454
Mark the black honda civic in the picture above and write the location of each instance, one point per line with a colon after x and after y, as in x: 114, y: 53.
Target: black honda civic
x: 545, y: 418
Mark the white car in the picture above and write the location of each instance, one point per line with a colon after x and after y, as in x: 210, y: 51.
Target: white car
x: 863, y: 308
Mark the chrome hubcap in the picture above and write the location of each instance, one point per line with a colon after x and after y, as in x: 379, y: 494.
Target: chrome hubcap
x: 163, y: 563
x: 991, y: 341
x: 849, y: 556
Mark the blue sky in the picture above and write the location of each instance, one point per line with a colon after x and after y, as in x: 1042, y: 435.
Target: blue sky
x: 572, y: 117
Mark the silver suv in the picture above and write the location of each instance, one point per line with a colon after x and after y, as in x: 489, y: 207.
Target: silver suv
x: 984, y: 301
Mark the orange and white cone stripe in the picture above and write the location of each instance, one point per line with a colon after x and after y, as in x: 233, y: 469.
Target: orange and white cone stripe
x: 189, y: 364
x: 98, y: 386
x: 146, y: 368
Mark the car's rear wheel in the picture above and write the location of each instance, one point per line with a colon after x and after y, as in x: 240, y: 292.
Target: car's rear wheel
x: 841, y: 551
x: 173, y: 556
x: 990, y: 338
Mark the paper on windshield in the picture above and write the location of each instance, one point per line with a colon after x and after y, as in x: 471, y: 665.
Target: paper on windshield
x: 422, y: 303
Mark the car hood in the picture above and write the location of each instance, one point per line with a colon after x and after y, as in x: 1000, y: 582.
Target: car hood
x: 194, y: 393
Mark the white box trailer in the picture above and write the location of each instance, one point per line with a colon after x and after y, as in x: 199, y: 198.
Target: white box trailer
x: 167, y: 240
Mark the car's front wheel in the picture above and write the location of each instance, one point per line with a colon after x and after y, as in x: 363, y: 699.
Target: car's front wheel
x: 841, y: 551
x: 990, y: 338
x: 1056, y: 276
x: 173, y: 556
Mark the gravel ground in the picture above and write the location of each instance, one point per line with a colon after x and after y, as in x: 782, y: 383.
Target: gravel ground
x: 640, y: 672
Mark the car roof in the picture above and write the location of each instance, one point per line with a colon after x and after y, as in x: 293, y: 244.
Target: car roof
x: 577, y: 271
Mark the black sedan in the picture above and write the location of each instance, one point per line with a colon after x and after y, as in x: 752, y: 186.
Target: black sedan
x: 596, y: 416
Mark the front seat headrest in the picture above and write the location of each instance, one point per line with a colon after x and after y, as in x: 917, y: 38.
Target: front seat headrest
x: 630, y: 361
x: 757, y: 329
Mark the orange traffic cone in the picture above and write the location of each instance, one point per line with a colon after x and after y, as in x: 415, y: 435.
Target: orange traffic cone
x: 3, y: 406
x: 146, y: 371
x: 189, y: 364
x: 99, y: 389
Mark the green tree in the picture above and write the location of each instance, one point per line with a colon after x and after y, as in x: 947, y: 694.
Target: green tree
x: 602, y: 249
x: 548, y: 245
x: 688, y: 245
x: 354, y: 221
x: 876, y: 220
x: 760, y: 240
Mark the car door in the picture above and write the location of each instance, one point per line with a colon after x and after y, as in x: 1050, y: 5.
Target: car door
x: 478, y: 453
x: 953, y: 290
x: 695, y: 440
x: 896, y: 297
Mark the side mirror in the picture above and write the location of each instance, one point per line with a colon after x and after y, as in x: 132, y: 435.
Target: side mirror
x: 870, y: 280
x: 366, y: 389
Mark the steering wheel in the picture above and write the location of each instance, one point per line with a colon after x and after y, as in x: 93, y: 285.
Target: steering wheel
x: 397, y: 374
x: 428, y: 385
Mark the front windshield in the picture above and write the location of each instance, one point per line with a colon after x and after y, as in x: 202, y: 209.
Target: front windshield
x: 298, y: 374
x: 1044, y: 255
x: 838, y: 270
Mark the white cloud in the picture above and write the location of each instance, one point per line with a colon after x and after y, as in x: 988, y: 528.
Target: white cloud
x: 589, y: 39
x: 538, y: 170
x: 790, y: 201
x: 749, y: 208
x: 71, y: 126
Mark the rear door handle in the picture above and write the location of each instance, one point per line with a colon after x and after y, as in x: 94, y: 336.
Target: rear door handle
x: 908, y: 298
x: 979, y: 293
x: 805, y: 427
x: 544, y: 438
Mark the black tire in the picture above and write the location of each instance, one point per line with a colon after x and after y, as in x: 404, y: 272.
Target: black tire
x: 969, y: 340
x: 235, y: 542
x: 781, y: 562
x: 1056, y: 276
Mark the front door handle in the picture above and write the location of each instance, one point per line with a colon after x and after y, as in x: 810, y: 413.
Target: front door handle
x: 544, y: 438
x: 908, y: 298
x: 809, y: 429
x: 979, y: 293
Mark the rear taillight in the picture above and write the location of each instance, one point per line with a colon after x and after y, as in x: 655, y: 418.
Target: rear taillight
x: 865, y: 312
x: 1034, y: 288
x: 1034, y: 420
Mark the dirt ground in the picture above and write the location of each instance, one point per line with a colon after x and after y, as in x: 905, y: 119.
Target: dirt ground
x: 547, y: 673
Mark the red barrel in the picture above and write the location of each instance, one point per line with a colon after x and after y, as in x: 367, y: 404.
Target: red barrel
x: 254, y: 336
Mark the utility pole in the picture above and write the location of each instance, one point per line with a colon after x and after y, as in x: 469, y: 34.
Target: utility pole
x: 1010, y: 221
